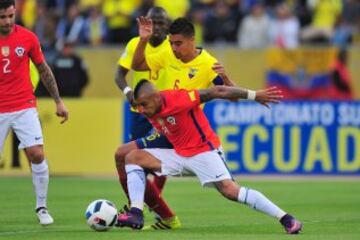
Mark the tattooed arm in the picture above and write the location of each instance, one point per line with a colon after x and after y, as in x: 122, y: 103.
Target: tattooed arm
x: 48, y: 79
x: 265, y: 96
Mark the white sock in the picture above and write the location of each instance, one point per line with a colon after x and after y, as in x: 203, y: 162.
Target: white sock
x: 136, y: 185
x: 258, y: 201
x: 40, y: 178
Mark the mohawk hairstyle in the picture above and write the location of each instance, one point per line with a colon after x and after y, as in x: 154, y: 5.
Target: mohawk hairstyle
x: 138, y: 86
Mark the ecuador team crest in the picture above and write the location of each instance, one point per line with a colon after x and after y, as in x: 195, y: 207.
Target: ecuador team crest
x: 5, y: 51
x: 192, y: 72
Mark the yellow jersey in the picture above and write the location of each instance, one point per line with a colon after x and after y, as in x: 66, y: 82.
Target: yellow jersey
x: 326, y: 13
x: 175, y: 9
x: 34, y: 75
x: 117, y: 12
x: 126, y: 60
x: 196, y: 74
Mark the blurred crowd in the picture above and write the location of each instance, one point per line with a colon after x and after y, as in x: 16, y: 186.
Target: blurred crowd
x: 247, y: 23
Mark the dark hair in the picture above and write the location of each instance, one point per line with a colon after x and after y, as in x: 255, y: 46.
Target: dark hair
x: 4, y: 4
x: 182, y: 26
x: 138, y: 86
x: 157, y: 10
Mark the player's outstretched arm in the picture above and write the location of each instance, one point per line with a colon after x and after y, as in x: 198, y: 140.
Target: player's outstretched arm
x: 48, y: 79
x: 145, y: 31
x: 264, y: 96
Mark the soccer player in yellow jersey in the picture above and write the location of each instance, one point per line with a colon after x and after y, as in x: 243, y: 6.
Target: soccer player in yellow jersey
x: 185, y: 67
x: 139, y: 125
x: 158, y: 42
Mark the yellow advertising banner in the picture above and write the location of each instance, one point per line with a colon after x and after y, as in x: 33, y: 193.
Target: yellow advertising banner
x: 84, y: 145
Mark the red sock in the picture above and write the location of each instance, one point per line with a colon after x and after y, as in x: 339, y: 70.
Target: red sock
x: 154, y: 200
x: 159, y: 182
x: 123, y: 182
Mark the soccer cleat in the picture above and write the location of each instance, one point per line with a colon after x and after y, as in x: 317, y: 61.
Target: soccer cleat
x: 291, y: 225
x: 165, y: 224
x: 44, y: 216
x: 125, y: 209
x: 133, y: 218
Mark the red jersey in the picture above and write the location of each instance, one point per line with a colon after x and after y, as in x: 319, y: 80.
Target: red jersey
x: 184, y: 124
x: 16, y: 91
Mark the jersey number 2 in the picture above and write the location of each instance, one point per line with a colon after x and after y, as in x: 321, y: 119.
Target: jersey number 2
x: 6, y: 65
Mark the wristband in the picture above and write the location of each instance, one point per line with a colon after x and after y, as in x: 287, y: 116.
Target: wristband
x: 126, y: 90
x: 251, y: 95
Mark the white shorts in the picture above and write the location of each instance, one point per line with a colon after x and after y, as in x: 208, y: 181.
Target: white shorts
x: 26, y: 125
x: 209, y: 167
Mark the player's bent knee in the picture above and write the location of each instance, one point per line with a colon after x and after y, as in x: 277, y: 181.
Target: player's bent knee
x: 123, y: 150
x: 36, y: 157
x: 119, y: 155
x: 35, y: 154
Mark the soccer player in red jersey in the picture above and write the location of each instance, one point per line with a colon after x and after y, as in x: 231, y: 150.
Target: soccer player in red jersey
x: 139, y: 125
x: 177, y: 115
x: 181, y: 65
x: 17, y: 101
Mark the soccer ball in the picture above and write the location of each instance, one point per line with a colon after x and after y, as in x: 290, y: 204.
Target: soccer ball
x: 101, y: 215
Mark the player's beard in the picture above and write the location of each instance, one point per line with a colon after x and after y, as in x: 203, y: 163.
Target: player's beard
x: 5, y: 30
x: 157, y: 39
x: 177, y: 55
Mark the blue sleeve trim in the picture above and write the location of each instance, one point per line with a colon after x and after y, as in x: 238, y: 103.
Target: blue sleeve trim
x: 218, y: 80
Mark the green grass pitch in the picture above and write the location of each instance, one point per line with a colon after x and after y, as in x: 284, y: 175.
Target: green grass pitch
x: 329, y: 209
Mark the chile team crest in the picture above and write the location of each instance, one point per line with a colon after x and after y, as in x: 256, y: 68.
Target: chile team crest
x: 192, y: 72
x: 171, y: 120
x: 19, y: 51
x: 5, y: 51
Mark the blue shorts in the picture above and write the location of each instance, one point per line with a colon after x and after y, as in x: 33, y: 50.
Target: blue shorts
x: 139, y: 126
x: 153, y: 140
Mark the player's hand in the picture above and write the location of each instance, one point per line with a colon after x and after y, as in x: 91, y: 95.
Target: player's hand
x: 219, y: 69
x: 145, y: 27
x: 130, y: 98
x: 61, y: 111
x: 269, y: 95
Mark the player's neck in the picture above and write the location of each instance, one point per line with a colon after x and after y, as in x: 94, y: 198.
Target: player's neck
x: 5, y: 35
x: 156, y: 41
x: 192, y: 56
